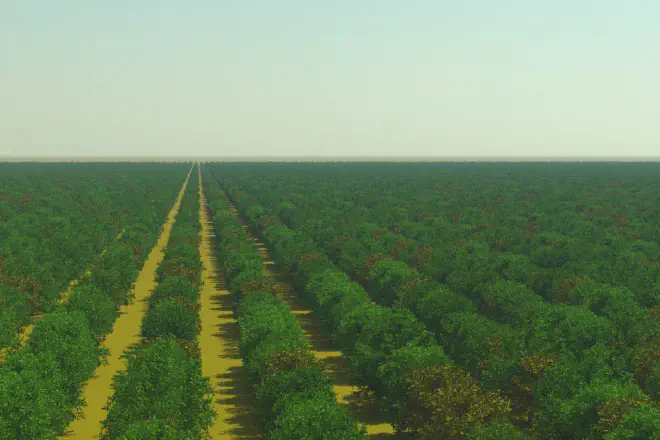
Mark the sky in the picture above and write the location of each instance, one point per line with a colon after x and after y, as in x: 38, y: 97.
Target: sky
x: 336, y: 78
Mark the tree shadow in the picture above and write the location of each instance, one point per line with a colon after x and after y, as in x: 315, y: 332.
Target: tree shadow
x: 238, y: 400
x: 360, y: 406
x: 234, y: 394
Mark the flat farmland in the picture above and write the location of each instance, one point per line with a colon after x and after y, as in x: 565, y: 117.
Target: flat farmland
x: 346, y: 300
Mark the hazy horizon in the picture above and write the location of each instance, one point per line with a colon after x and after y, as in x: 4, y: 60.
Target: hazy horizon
x: 341, y: 79
x: 507, y: 159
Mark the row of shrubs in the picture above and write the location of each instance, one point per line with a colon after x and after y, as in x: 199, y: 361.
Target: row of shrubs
x: 512, y: 340
x: 572, y: 400
x: 508, y: 336
x: 390, y: 352
x: 449, y: 417
x: 41, y: 382
x: 294, y: 394
x: 162, y: 394
x: 54, y: 221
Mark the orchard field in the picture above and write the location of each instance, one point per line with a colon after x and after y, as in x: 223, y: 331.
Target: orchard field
x: 280, y: 301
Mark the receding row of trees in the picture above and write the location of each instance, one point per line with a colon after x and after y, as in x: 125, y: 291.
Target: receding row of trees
x: 55, y: 219
x: 162, y: 394
x: 389, y: 351
x: 40, y: 383
x: 294, y: 394
x: 482, y: 303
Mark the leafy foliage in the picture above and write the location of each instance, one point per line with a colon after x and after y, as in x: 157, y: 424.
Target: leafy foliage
x: 98, y: 308
x: 161, y: 373
x: 55, y: 219
x: 40, y: 383
x: 495, y: 430
x: 444, y: 402
x: 506, y: 265
x: 162, y: 393
x: 293, y: 392
x: 172, y: 318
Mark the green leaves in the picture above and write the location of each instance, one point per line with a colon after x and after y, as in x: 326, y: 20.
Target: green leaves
x: 387, y: 278
x: 14, y: 313
x: 152, y: 430
x: 297, y: 383
x: 163, y: 383
x: 68, y: 338
x: 55, y: 219
x: 394, y: 372
x: 40, y: 384
x: 640, y: 424
x: 34, y: 403
x: 175, y: 287
x: 528, y: 264
x: 580, y: 415
x: 383, y: 345
x: 495, y: 430
x: 316, y: 418
x: 173, y: 318
x: 294, y: 394
x: 162, y: 394
x: 113, y: 276
x: 98, y: 308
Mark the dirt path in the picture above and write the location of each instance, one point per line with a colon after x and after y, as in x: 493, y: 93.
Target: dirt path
x: 219, y: 345
x: 125, y: 333
x: 357, y: 405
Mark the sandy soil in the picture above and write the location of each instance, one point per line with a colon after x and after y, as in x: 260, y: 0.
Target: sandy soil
x: 125, y: 333
x: 219, y: 346
x: 357, y: 405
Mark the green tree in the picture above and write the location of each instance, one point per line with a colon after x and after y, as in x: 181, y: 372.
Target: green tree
x: 171, y: 317
x: 642, y: 423
x: 68, y: 338
x: 98, y: 308
x: 163, y: 373
x: 495, y: 430
x: 443, y: 401
x: 34, y: 400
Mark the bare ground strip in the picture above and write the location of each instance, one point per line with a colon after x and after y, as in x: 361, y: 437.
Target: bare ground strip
x: 358, y: 405
x: 125, y: 333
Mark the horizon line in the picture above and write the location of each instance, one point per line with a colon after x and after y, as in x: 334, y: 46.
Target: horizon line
x: 319, y: 158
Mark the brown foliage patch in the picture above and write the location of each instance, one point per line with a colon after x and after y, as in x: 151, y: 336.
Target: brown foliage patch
x: 567, y: 286
x: 612, y: 412
x: 444, y: 402
x: 536, y: 366
x: 654, y: 314
x: 268, y: 222
x: 371, y: 261
x: 647, y: 355
x: 419, y: 257
x: 287, y: 360
x: 265, y: 285
x: 341, y: 239
x: 310, y: 258
x: 399, y: 246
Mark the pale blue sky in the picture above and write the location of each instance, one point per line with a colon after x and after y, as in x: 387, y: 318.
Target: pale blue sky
x: 222, y: 78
